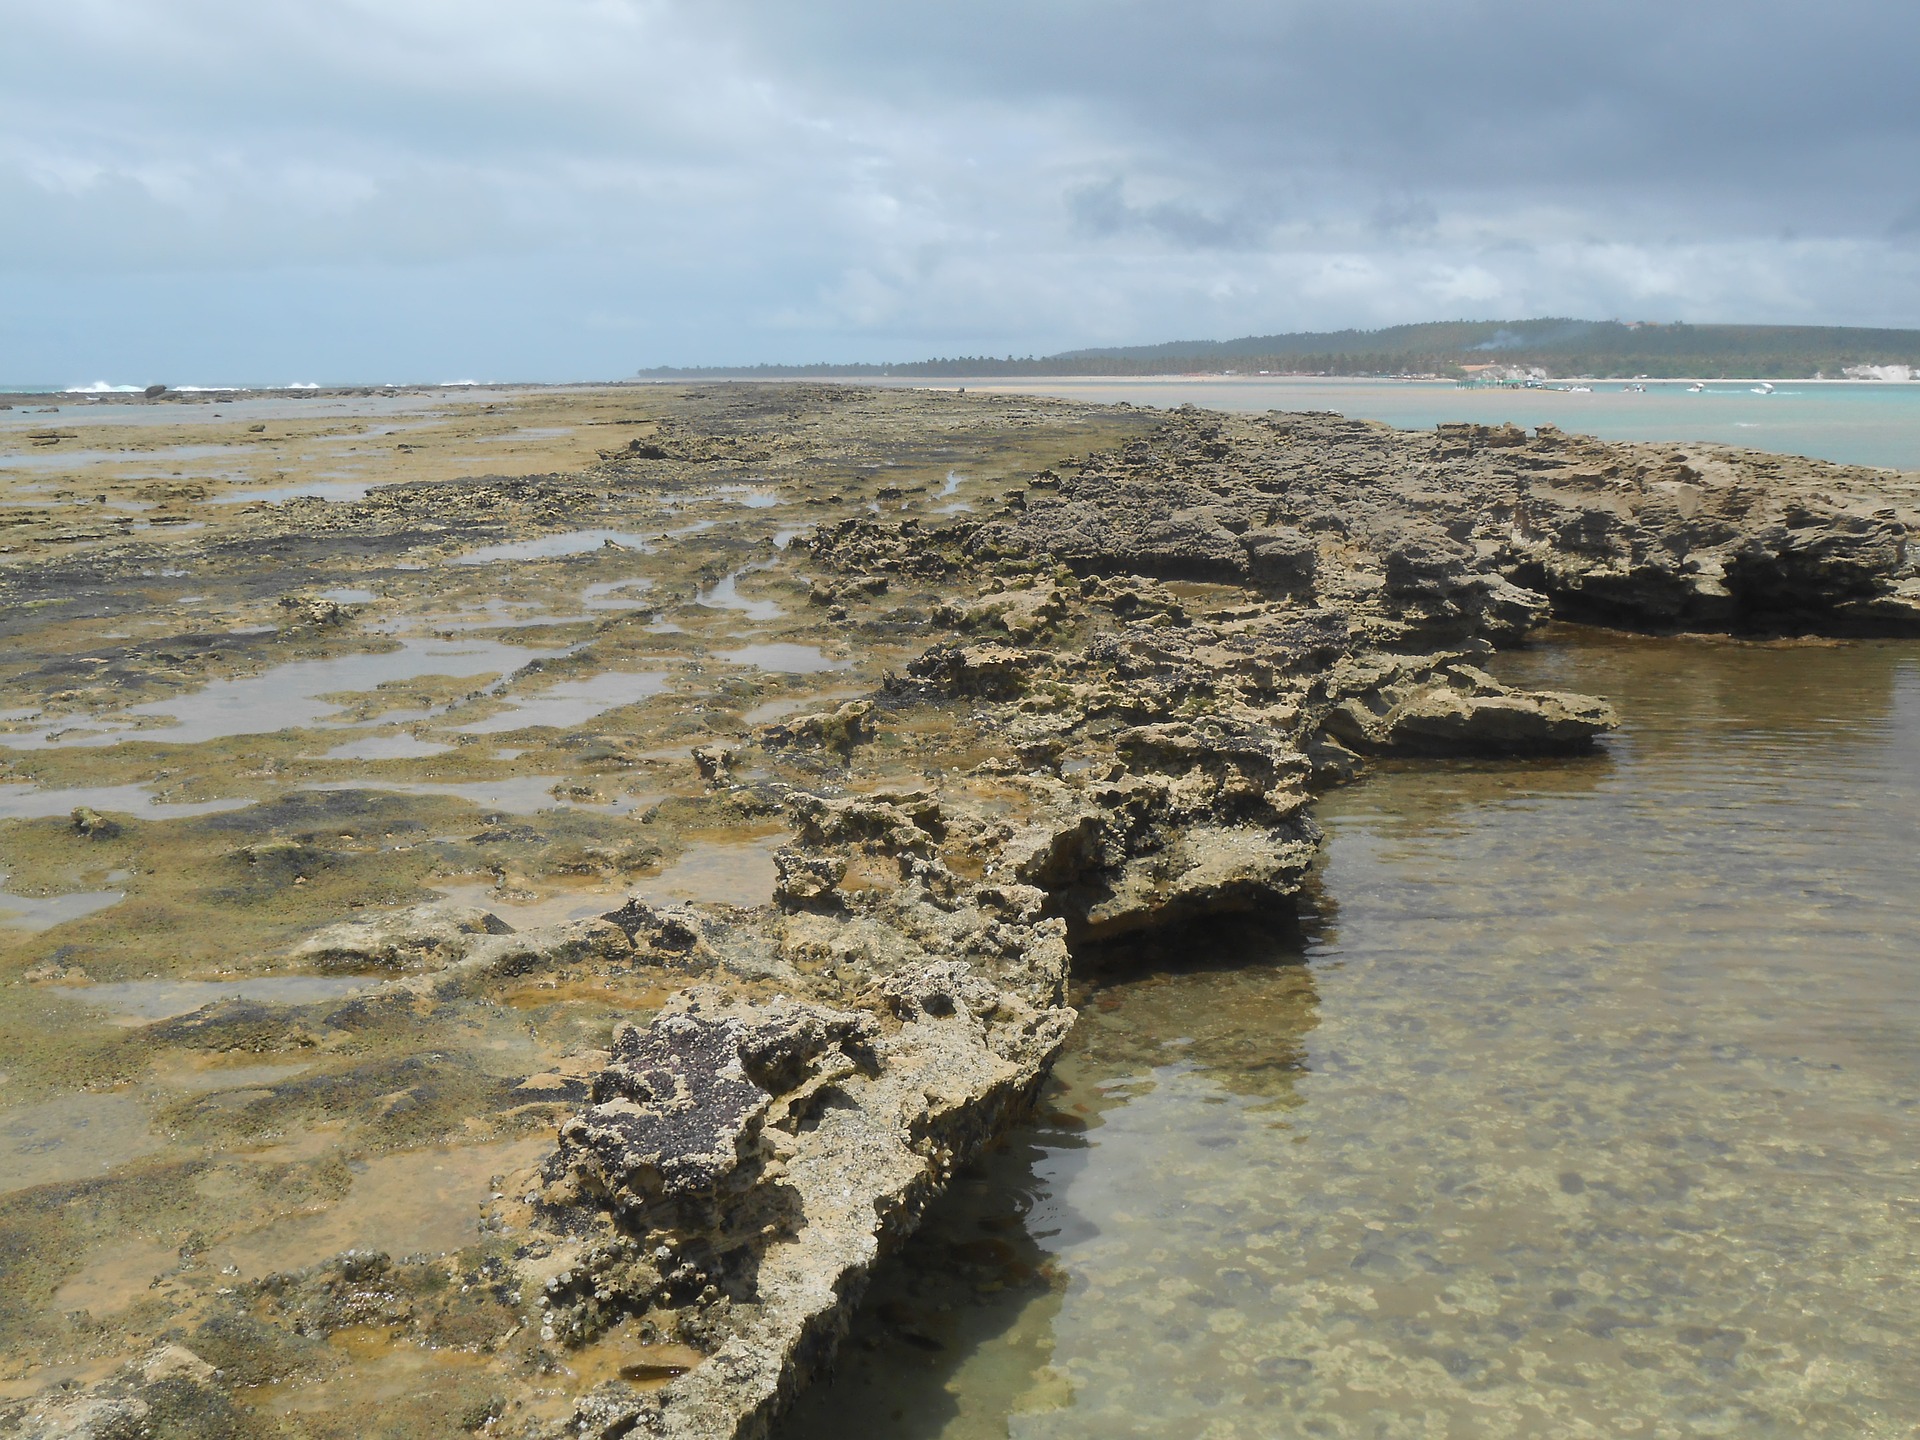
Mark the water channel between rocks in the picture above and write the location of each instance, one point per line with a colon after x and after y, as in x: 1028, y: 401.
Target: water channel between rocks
x: 1581, y: 1103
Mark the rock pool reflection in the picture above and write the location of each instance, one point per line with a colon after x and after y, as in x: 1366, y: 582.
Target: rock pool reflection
x: 1591, y: 1111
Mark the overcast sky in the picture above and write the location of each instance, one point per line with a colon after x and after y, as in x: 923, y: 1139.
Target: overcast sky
x: 210, y: 191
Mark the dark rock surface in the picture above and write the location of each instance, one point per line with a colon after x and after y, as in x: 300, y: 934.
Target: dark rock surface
x: 1445, y: 531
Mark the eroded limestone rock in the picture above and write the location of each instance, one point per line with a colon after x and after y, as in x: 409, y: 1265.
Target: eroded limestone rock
x: 675, y: 1142
x: 839, y: 729
x: 755, y: 1159
x: 1475, y: 530
x: 418, y: 938
x: 169, y: 1391
x: 1458, y: 709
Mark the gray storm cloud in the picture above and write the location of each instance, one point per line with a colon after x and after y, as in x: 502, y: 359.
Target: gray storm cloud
x: 351, y: 190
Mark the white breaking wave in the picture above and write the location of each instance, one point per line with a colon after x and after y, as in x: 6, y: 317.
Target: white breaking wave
x: 101, y: 387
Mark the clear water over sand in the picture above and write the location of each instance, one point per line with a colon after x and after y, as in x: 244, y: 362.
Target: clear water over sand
x: 1584, y: 1103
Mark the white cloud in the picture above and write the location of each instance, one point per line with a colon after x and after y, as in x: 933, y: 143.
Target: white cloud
x: 585, y: 186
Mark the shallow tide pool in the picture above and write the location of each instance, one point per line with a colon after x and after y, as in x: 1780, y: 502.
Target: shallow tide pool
x: 1584, y: 1101
x: 282, y: 697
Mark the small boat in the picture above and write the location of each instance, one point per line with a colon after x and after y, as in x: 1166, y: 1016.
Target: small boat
x: 1765, y: 387
x: 1696, y: 388
x: 1633, y: 390
x: 1579, y: 389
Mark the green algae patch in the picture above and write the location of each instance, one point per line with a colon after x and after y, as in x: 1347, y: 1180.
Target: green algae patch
x: 48, y: 1234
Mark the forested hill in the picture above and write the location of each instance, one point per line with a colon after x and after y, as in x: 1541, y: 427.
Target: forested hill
x: 1559, y: 347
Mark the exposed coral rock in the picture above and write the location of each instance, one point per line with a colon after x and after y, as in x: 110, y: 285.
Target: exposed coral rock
x: 89, y: 1416
x: 715, y: 763
x: 1475, y: 529
x: 673, y: 929
x: 674, y: 1143
x: 91, y: 823
x: 1458, y: 709
x: 171, y: 1362
x: 573, y: 942
x: 315, y: 610
x: 839, y: 729
x: 423, y: 937
x: 906, y: 822
x: 1201, y: 870
x: 1258, y: 609
x: 802, y: 878
x: 1222, y: 768
x: 170, y: 1391
x: 1158, y: 524
x: 992, y: 672
x: 770, y: 1154
x: 1281, y: 559
x: 1024, y: 612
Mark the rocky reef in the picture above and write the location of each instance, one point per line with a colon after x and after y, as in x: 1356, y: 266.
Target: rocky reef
x: 1120, y: 684
x: 1485, y: 530
x: 1158, y: 751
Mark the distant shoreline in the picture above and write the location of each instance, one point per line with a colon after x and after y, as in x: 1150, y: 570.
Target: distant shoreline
x: 205, y: 395
x: 1555, y: 384
x: 1545, y: 347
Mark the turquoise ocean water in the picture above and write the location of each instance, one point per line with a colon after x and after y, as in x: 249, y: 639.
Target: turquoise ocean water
x: 1853, y: 423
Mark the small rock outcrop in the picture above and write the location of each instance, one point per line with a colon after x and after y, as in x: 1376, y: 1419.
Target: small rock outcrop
x: 743, y: 1166
x: 839, y: 729
x: 1453, y: 708
x: 676, y: 1143
x: 421, y: 938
